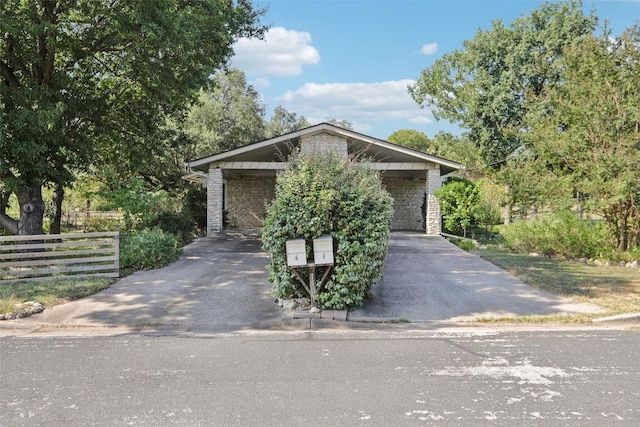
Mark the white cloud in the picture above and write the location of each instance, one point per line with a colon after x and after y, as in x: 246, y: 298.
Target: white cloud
x: 356, y: 102
x: 420, y: 120
x: 282, y: 53
x: 429, y: 49
x: 260, y: 82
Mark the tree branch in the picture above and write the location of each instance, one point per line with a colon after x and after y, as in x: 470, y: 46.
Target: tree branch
x: 8, y: 223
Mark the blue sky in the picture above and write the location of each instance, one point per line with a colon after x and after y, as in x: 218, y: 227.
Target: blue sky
x: 353, y: 60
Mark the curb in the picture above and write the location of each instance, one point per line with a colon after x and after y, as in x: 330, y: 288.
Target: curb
x: 620, y: 318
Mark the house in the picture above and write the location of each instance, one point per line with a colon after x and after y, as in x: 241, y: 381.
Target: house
x: 241, y: 183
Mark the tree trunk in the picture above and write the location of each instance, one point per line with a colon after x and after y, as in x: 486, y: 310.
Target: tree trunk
x: 58, y: 197
x: 507, y: 208
x: 31, y: 210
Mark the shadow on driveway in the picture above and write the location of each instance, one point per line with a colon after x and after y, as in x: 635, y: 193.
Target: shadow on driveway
x: 221, y: 284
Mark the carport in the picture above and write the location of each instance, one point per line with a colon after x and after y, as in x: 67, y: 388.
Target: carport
x: 241, y: 183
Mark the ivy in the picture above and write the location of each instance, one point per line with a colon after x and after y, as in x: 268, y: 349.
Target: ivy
x: 319, y: 195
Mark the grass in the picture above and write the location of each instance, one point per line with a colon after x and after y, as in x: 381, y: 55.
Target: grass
x: 615, y: 289
x: 52, y: 292
x: 9, y: 304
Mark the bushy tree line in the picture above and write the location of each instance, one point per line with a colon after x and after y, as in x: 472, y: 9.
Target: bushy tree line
x: 85, y: 84
x: 551, y: 103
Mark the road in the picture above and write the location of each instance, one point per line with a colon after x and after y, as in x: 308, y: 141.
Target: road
x: 324, y: 378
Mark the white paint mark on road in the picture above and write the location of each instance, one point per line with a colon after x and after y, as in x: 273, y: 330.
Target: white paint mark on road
x: 523, y: 371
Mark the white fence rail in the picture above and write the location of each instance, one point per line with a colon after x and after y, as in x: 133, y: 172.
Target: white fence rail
x: 51, y: 256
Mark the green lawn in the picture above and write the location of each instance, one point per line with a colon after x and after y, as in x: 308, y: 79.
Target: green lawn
x: 615, y: 289
x: 52, y: 292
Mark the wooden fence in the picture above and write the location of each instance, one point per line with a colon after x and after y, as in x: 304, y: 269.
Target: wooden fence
x: 52, y: 256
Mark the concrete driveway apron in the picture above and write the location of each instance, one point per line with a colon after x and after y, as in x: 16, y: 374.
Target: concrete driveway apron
x: 429, y: 279
x: 219, y: 283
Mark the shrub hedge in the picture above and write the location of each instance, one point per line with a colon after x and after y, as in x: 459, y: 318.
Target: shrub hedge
x: 319, y: 195
x: 557, y: 233
x: 148, y: 249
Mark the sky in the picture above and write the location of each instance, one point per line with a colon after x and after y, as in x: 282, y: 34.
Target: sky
x: 353, y: 60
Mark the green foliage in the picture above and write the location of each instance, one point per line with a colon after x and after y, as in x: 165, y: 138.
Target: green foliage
x: 557, y: 233
x: 464, y: 244
x: 52, y: 292
x: 588, y: 145
x: 92, y: 224
x: 148, y: 249
x: 328, y: 195
x: 487, y: 86
x: 84, y: 81
x: 412, y: 139
x: 227, y: 116
x: 460, y: 204
x: 282, y: 121
x: 139, y: 205
x: 178, y: 224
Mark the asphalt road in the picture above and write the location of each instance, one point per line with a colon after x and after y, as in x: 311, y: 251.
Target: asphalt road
x: 338, y: 378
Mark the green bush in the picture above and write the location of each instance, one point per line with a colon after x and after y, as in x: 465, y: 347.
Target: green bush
x: 148, y: 249
x: 460, y: 205
x: 103, y: 224
x: 557, y: 233
x: 177, y: 223
x: 327, y: 195
x: 465, y: 245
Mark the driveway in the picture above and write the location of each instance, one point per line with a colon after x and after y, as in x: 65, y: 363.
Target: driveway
x: 221, y: 283
x: 429, y: 279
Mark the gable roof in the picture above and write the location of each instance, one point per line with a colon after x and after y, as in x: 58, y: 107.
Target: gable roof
x: 279, y: 148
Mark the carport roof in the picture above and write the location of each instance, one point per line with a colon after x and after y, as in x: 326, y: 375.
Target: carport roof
x: 279, y: 148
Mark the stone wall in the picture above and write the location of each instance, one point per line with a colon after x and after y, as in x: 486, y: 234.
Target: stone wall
x: 433, y: 220
x: 247, y: 198
x: 322, y: 143
x: 214, y: 201
x: 408, y: 195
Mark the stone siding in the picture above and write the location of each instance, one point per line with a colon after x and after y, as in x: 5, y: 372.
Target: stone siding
x: 247, y: 198
x: 324, y: 143
x: 214, y: 201
x: 408, y: 195
x: 433, y: 221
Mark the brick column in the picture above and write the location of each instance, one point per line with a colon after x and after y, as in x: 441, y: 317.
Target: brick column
x: 433, y: 219
x: 214, y: 201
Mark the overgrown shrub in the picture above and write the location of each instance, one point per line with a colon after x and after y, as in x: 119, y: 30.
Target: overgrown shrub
x: 465, y: 245
x: 148, y: 249
x: 327, y: 195
x: 177, y: 223
x: 460, y: 205
x: 557, y: 233
x: 102, y: 224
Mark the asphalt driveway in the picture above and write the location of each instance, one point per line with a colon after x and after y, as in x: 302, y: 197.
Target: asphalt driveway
x: 221, y: 283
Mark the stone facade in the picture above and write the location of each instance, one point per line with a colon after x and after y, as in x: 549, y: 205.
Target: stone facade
x: 247, y: 198
x: 247, y: 191
x: 214, y: 201
x: 408, y: 195
x: 324, y: 143
x: 433, y: 222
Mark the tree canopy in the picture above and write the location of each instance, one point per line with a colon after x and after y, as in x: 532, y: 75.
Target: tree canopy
x: 587, y: 146
x: 486, y: 86
x: 78, y: 78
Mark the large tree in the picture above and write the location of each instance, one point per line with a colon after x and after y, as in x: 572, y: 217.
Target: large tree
x: 282, y: 121
x: 80, y: 78
x: 228, y: 116
x: 411, y: 138
x: 589, y: 146
x: 485, y: 87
